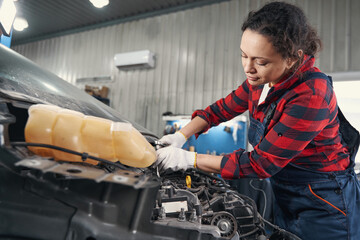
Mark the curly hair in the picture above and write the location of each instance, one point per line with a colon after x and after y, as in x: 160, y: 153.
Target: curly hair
x: 286, y: 27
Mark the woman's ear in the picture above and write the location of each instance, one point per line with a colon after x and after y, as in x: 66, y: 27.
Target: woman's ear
x: 291, y: 61
x: 300, y: 53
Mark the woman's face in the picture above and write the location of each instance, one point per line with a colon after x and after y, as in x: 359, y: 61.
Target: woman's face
x: 262, y: 63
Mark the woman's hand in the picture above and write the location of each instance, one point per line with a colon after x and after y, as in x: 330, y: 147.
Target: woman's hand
x: 175, y: 159
x: 177, y: 139
x: 178, y: 159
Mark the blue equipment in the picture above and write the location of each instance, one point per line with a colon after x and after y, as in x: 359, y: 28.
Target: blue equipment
x: 222, y: 139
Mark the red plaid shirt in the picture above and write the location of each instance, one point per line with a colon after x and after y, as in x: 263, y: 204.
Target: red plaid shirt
x: 304, y: 129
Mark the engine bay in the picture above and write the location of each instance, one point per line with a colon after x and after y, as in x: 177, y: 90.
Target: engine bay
x: 205, y: 199
x: 178, y: 205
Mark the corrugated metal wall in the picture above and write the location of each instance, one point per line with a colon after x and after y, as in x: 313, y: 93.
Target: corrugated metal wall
x: 197, y: 55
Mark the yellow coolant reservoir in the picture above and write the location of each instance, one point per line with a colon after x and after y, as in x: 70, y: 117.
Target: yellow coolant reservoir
x: 99, y: 137
x: 39, y: 127
x: 131, y: 147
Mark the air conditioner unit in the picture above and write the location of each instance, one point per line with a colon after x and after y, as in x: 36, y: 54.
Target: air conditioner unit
x: 135, y: 60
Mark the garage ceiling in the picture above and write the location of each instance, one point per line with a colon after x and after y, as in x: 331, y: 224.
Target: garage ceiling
x: 50, y: 18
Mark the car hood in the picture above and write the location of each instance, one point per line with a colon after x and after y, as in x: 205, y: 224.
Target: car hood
x: 23, y: 80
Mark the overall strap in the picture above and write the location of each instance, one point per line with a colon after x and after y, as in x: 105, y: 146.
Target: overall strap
x: 349, y: 134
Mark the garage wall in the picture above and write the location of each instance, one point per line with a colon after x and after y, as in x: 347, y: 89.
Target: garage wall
x: 197, y: 56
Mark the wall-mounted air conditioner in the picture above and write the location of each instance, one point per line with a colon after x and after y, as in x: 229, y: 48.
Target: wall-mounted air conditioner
x: 135, y: 60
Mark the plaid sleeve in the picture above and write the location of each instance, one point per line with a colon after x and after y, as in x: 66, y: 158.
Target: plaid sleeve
x: 297, y: 121
x: 226, y: 108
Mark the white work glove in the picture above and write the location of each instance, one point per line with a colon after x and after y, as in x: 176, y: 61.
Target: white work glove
x: 175, y: 159
x: 177, y: 139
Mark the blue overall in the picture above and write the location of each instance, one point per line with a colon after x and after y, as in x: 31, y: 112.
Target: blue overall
x: 312, y: 204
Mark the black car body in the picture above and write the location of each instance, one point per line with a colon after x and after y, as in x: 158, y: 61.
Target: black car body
x: 44, y: 199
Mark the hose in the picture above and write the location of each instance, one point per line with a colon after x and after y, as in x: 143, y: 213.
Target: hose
x: 84, y: 156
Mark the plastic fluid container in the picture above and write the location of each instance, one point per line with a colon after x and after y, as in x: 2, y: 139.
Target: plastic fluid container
x: 99, y: 137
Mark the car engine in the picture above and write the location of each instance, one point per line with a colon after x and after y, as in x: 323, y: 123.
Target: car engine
x: 199, y: 200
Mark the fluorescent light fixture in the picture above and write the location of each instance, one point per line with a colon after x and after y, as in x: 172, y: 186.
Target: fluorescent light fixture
x: 99, y: 3
x: 7, y: 15
x: 20, y: 24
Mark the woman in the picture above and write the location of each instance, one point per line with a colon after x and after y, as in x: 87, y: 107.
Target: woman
x: 294, y: 129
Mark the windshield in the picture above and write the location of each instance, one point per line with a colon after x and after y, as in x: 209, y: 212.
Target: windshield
x: 22, y: 79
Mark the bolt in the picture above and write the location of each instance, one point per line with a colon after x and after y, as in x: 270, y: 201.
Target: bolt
x: 193, y: 217
x: 182, y: 217
x: 223, y: 226
x: 162, y: 213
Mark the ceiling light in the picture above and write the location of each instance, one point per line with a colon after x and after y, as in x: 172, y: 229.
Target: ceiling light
x: 20, y: 24
x: 99, y: 3
x: 7, y: 15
